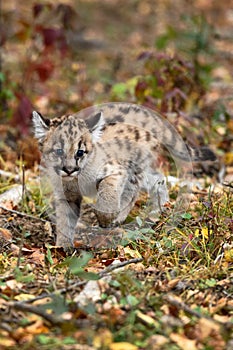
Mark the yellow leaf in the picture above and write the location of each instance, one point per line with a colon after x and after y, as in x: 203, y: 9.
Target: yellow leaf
x: 146, y: 319
x: 196, y: 234
x: 229, y: 158
x: 229, y: 255
x: 24, y: 296
x: 132, y: 252
x: 122, y: 346
x: 5, y: 342
x: 103, y: 339
x: 204, y: 232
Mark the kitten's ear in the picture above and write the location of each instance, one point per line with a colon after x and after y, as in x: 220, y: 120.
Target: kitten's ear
x: 41, y: 125
x: 96, y: 126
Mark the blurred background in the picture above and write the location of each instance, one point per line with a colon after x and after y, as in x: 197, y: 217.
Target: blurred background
x: 172, y: 56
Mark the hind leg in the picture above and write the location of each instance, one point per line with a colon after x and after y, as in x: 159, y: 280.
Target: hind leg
x: 156, y: 187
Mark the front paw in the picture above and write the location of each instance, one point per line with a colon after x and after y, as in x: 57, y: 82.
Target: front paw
x: 65, y: 243
x: 105, y: 219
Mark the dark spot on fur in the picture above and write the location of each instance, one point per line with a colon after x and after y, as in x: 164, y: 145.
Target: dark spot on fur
x: 143, y: 124
x: 119, y: 142
x: 111, y: 106
x: 124, y: 110
x: 62, y: 142
x: 148, y: 136
x: 118, y: 118
x: 128, y: 144
x: 136, y: 135
x: 137, y: 109
x: 139, y: 156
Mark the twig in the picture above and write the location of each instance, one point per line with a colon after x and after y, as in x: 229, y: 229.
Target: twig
x: 119, y: 265
x: 180, y: 305
x: 57, y: 320
x: 5, y: 327
x: 22, y: 214
x: 81, y: 283
x: 54, y: 320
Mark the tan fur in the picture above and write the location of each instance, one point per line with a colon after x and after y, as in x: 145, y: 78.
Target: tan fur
x: 117, y: 146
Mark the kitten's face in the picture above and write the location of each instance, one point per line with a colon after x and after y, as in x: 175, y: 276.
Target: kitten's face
x: 66, y: 143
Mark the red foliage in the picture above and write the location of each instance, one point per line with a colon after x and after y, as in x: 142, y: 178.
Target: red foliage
x: 44, y: 69
x: 22, y: 115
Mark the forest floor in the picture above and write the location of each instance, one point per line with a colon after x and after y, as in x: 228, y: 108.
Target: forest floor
x: 153, y: 289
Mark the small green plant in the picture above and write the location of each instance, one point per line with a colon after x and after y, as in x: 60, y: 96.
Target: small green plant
x: 195, y: 42
x: 6, y: 94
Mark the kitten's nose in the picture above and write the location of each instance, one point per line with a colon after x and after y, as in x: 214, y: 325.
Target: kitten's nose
x: 69, y: 169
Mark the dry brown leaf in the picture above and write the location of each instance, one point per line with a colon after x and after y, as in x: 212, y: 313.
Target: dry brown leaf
x: 155, y: 342
x: 183, y: 342
x: 206, y: 327
x: 173, y: 283
x: 37, y: 327
x: 222, y: 318
x: 5, y: 234
x: 37, y: 257
x: 13, y: 284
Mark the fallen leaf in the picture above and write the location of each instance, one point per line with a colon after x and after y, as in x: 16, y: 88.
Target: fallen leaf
x: 37, y: 328
x: 24, y: 296
x: 155, y: 342
x: 229, y: 255
x: 183, y: 342
x: 123, y: 346
x: 91, y: 292
x: 103, y: 339
x: 132, y: 252
x: 5, y: 342
x: 5, y: 234
x: 148, y: 320
x: 206, y: 327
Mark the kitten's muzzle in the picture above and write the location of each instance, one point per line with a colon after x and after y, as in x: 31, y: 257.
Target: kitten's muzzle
x: 69, y: 171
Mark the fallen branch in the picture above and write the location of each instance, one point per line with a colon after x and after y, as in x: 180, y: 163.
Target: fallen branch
x: 54, y: 320
x: 180, y: 305
x: 110, y: 268
x: 82, y: 283
x: 22, y: 214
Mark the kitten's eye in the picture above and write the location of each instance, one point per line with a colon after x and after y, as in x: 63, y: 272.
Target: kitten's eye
x: 59, y: 152
x: 79, y: 153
